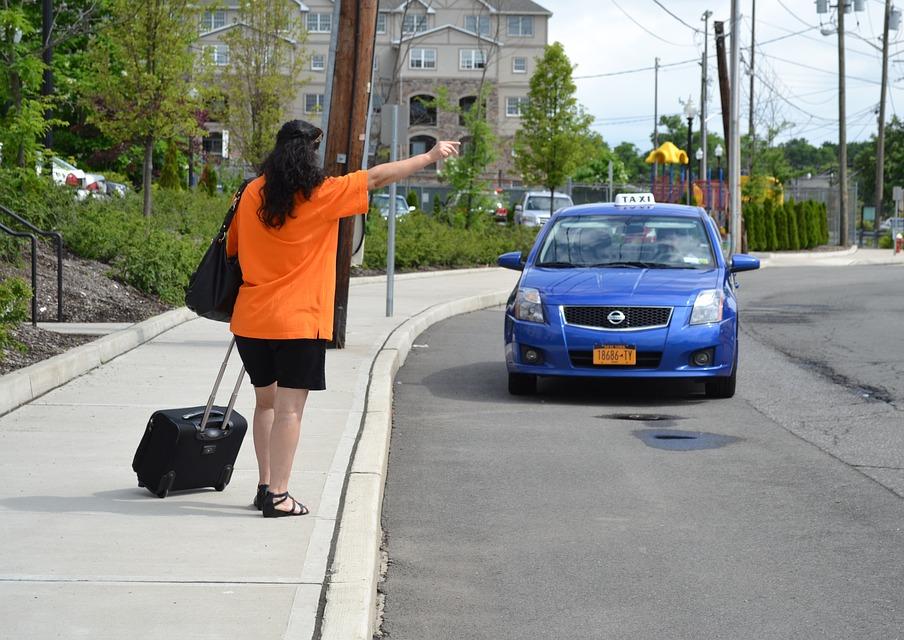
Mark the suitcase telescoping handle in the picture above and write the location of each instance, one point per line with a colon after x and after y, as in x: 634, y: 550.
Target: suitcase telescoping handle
x: 216, y: 386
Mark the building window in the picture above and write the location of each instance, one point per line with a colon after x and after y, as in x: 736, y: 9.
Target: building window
x: 422, y: 59
x: 414, y: 23
x: 318, y: 62
x: 219, y: 54
x: 478, y: 24
x: 514, y: 107
x: 521, y: 26
x: 421, y: 144
x: 471, y: 59
x: 313, y: 102
x: 421, y: 112
x: 464, y: 105
x: 213, y: 143
x: 381, y: 23
x: 319, y: 22
x: 213, y: 20
x: 519, y: 64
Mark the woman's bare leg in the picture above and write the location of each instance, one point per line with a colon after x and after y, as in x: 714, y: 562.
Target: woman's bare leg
x: 288, y: 410
x: 265, y: 400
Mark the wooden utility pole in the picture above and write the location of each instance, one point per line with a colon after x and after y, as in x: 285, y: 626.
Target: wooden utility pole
x: 47, y: 57
x: 880, y: 138
x: 724, y: 87
x: 750, y: 126
x: 844, y: 240
x: 345, y: 143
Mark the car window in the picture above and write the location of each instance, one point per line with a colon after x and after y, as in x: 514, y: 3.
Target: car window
x: 648, y: 240
x: 542, y: 203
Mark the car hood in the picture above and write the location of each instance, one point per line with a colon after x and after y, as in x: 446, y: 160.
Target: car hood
x: 622, y: 286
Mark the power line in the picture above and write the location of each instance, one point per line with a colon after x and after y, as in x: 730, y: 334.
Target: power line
x: 664, y: 8
x: 628, y: 16
x: 798, y: 18
x: 638, y: 70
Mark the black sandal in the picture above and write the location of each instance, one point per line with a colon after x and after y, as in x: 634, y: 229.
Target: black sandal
x: 270, y: 510
x: 261, y: 494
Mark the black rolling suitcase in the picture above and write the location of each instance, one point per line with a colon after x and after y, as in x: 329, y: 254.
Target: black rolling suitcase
x: 192, y: 447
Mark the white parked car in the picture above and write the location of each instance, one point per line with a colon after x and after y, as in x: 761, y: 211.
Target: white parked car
x: 887, y: 224
x: 85, y: 184
x: 533, y: 210
x: 381, y: 202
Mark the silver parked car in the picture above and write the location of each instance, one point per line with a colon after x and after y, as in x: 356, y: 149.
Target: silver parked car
x: 533, y: 210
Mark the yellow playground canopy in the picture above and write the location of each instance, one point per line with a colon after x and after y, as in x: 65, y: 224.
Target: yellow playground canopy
x: 667, y: 153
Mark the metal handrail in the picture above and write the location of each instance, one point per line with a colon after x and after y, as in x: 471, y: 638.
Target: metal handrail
x: 34, y: 269
x: 58, y: 241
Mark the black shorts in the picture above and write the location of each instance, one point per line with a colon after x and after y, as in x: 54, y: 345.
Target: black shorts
x: 293, y: 364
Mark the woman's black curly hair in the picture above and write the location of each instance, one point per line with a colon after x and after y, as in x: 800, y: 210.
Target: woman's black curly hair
x: 291, y: 167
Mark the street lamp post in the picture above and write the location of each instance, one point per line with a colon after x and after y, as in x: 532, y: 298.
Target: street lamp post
x: 719, y: 151
x: 699, y: 156
x: 690, y: 112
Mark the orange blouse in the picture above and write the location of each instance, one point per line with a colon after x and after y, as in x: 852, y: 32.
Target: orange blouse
x: 290, y: 273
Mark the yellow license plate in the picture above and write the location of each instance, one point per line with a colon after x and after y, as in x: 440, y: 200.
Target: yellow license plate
x: 608, y: 355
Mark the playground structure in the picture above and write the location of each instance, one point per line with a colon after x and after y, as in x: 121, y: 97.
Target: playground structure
x: 666, y: 186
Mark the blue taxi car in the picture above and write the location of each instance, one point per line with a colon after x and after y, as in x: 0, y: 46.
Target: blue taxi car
x: 631, y: 289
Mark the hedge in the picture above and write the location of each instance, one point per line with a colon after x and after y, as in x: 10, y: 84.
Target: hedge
x: 792, y: 226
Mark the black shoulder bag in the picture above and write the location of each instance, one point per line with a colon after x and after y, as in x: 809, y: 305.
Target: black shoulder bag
x: 214, y: 286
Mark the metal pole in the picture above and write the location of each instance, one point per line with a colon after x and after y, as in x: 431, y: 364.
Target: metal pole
x: 690, y: 159
x: 47, y: 57
x: 704, y: 97
x: 844, y: 240
x: 734, y: 155
x: 656, y: 104
x: 390, y: 240
x: 880, y: 138
x: 611, y: 197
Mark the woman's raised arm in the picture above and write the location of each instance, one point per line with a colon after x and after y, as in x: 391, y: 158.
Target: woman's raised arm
x: 383, y: 174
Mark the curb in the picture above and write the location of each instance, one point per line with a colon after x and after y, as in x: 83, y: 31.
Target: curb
x: 24, y: 385
x: 414, y: 275
x: 355, y: 569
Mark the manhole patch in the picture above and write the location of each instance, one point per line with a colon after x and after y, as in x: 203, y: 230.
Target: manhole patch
x: 674, y: 440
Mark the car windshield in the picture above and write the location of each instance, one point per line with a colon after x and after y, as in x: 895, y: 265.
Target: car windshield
x: 542, y: 203
x: 630, y: 241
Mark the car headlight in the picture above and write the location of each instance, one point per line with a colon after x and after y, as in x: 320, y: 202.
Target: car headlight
x: 528, y: 305
x: 708, y: 306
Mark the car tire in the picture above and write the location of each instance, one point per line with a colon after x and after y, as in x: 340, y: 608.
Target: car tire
x: 522, y: 384
x: 725, y: 387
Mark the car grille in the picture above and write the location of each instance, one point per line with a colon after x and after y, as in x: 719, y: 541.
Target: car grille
x: 645, y: 360
x: 635, y: 317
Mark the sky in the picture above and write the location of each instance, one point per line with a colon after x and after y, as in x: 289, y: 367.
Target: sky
x: 795, y: 66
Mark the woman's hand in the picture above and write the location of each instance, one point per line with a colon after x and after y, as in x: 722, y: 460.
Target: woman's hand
x: 444, y: 149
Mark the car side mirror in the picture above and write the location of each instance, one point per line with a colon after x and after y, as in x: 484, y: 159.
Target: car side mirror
x: 518, y: 207
x: 511, y: 260
x: 743, y: 262
x: 410, y: 209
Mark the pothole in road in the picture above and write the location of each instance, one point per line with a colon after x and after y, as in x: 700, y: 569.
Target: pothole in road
x: 640, y: 417
x: 674, y: 440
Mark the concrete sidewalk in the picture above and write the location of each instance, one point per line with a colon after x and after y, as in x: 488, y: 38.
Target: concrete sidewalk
x: 839, y: 258
x: 87, y: 554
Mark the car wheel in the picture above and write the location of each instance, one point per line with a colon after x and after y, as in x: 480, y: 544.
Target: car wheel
x: 724, y: 387
x: 522, y: 384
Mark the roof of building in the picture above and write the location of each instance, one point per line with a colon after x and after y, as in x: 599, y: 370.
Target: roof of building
x: 494, y: 6
x: 444, y: 27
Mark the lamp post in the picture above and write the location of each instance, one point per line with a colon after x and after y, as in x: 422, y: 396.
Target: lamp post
x: 699, y: 156
x: 719, y: 151
x: 690, y: 112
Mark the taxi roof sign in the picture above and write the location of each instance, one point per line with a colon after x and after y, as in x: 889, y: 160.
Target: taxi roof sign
x: 634, y: 199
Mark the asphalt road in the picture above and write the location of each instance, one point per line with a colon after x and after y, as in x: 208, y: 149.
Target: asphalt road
x: 556, y: 517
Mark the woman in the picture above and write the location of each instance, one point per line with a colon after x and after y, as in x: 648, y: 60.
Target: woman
x: 285, y: 232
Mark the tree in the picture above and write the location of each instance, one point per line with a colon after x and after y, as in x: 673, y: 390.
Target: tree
x: 636, y: 170
x: 142, y: 88
x: 595, y: 167
x: 465, y: 173
x: 555, y: 130
x: 266, y: 60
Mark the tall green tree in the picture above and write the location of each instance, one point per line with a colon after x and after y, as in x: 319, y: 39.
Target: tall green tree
x: 555, y: 130
x: 465, y: 174
x: 594, y: 168
x: 266, y: 61
x: 632, y: 159
x: 143, y: 66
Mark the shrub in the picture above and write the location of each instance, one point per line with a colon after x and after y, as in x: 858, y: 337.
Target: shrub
x: 15, y: 295
x: 749, y: 212
x: 885, y: 241
x: 793, y: 237
x: 208, y: 180
x: 413, y: 200
x: 170, y: 174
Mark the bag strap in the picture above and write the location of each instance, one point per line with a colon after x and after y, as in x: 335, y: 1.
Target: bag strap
x: 232, y: 209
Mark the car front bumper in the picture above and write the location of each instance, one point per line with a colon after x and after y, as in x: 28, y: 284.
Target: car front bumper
x: 566, y: 350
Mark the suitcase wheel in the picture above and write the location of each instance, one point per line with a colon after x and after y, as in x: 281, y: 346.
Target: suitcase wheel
x: 225, y: 477
x: 166, y: 483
